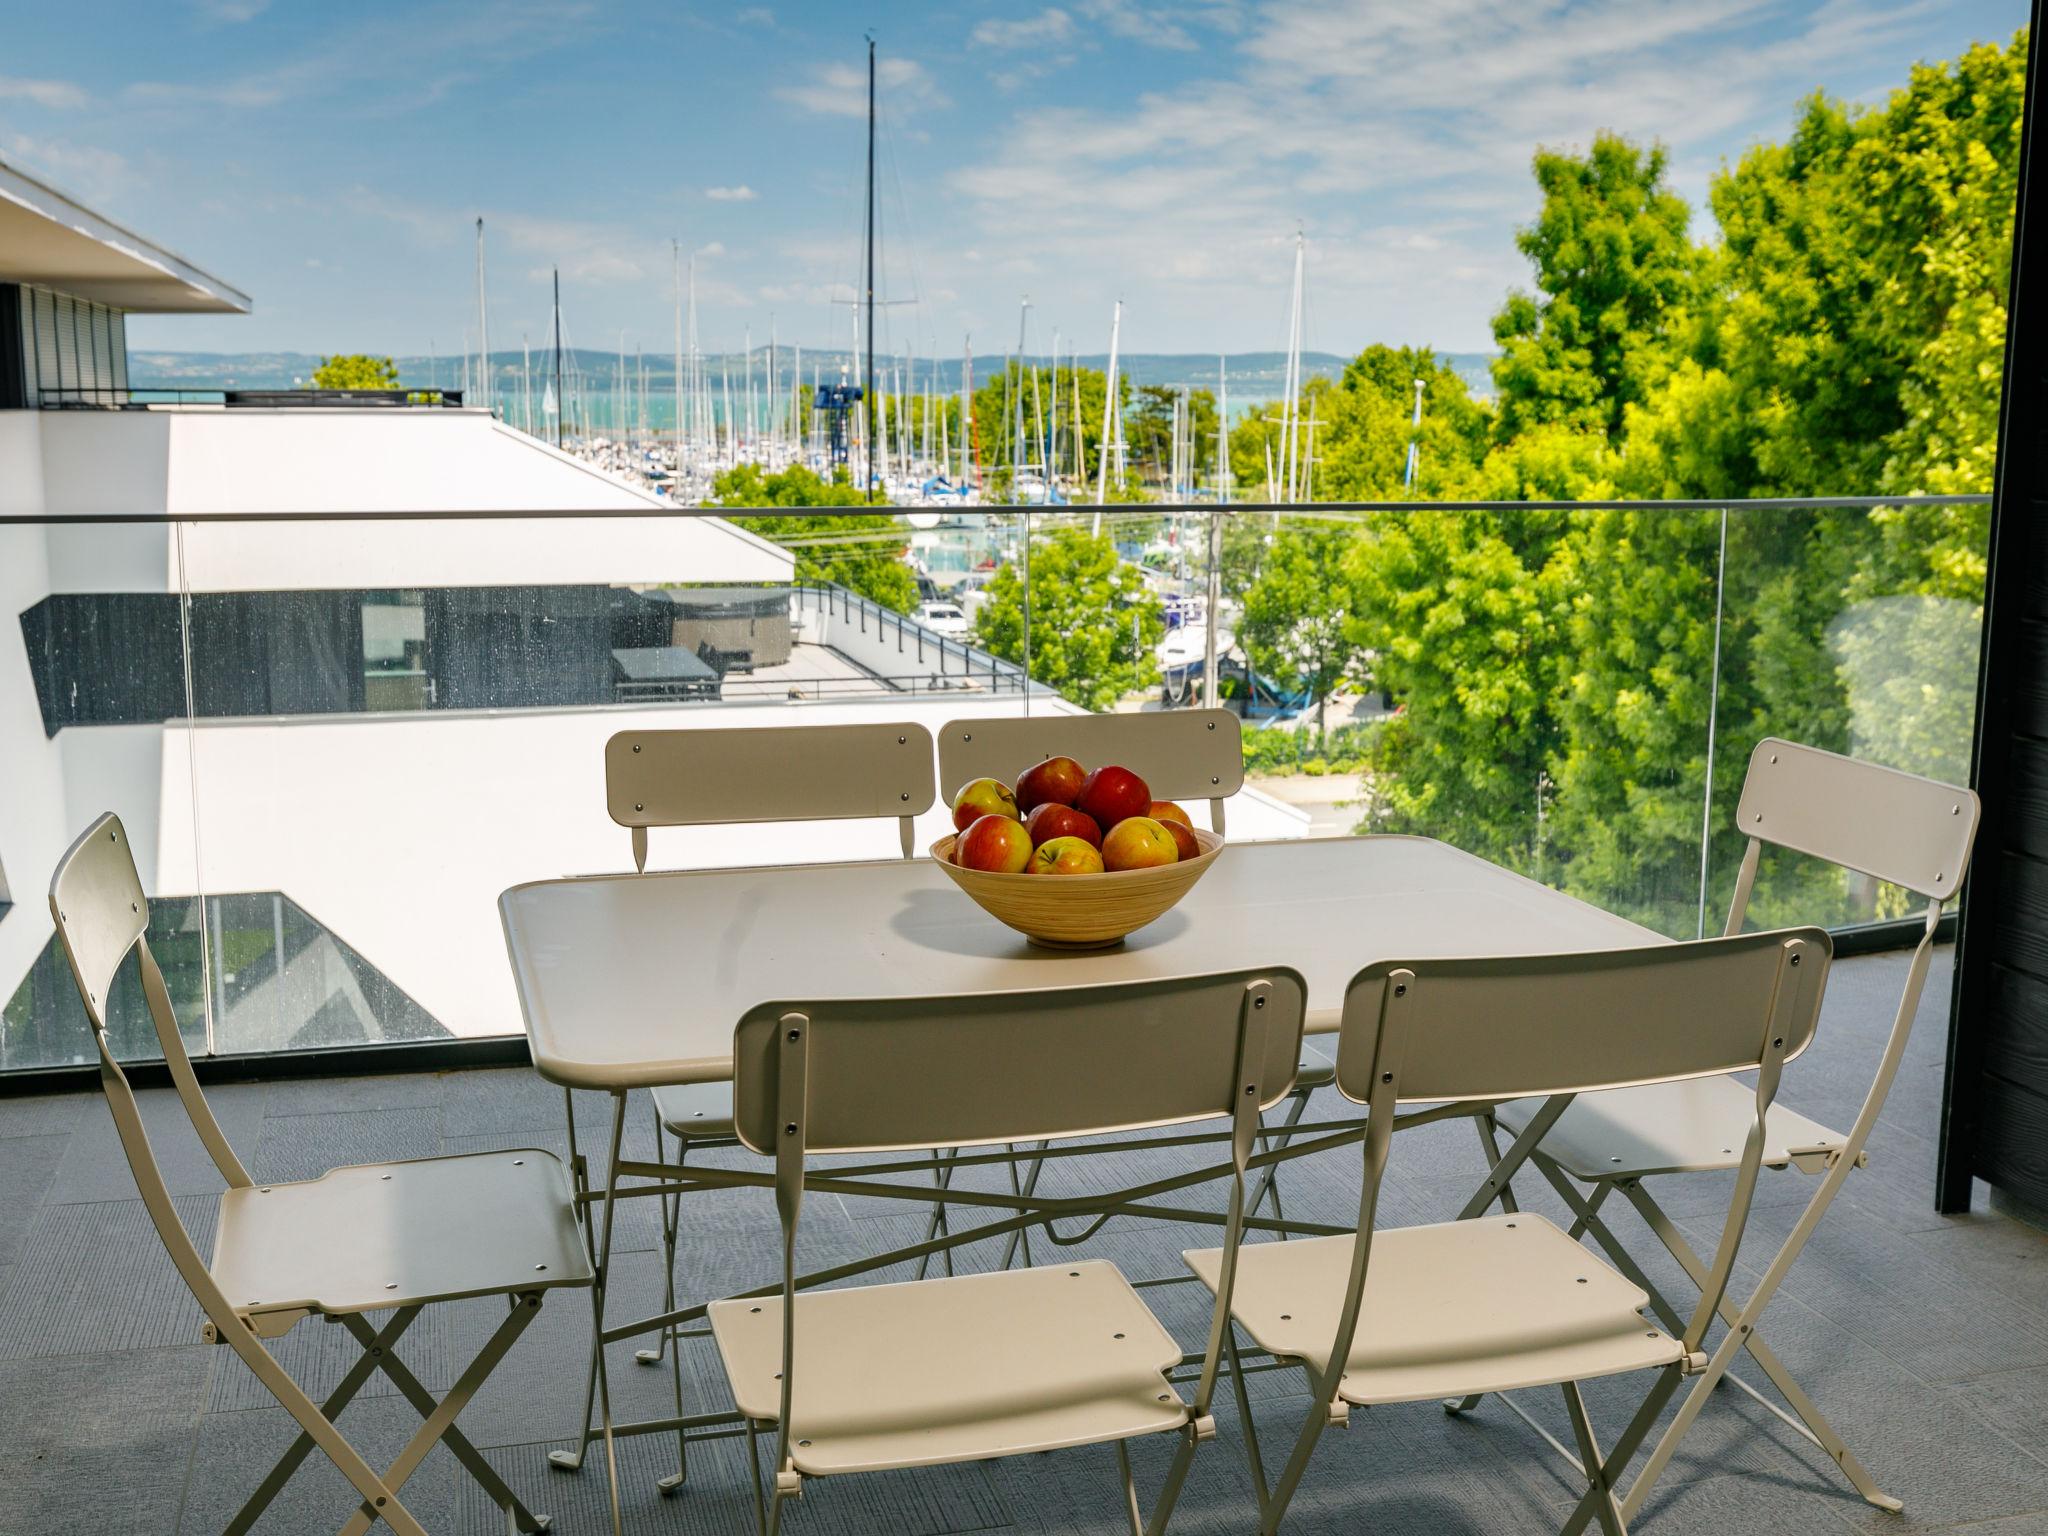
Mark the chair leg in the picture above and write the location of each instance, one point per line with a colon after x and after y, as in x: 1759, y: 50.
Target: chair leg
x: 1611, y: 1466
x: 1269, y: 1176
x: 441, y: 1421
x: 518, y: 1517
x: 1488, y: 1142
x: 673, y: 1335
x: 937, y: 1224
x: 364, y: 1368
x: 1598, y: 1485
x: 754, y: 1477
x: 1818, y: 1428
x: 1244, y: 1413
x: 1023, y: 1188
x: 671, y: 1212
x: 1123, y: 1465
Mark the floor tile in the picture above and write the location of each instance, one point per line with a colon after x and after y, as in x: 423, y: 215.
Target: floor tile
x: 98, y: 1443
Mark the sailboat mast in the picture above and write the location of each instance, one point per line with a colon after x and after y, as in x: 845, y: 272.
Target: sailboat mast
x: 561, y: 403
x: 868, y: 371
x: 1116, y: 324
x: 1291, y: 409
x: 1212, y: 615
x: 483, y: 325
x: 675, y: 250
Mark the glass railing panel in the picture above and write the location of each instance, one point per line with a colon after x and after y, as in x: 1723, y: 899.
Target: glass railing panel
x: 1856, y: 630
x: 92, y: 601
x: 374, y: 764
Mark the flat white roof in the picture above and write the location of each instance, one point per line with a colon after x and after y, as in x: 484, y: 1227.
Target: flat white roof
x: 54, y: 241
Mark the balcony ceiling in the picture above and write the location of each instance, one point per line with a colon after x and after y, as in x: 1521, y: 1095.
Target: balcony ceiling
x: 48, y: 239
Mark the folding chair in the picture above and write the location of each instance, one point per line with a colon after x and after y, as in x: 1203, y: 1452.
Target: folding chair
x: 968, y: 1368
x: 1183, y: 754
x: 706, y: 777
x: 1912, y: 832
x: 378, y: 1237
x: 1498, y: 1303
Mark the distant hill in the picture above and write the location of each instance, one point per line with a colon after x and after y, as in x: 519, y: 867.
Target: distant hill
x: 1254, y: 376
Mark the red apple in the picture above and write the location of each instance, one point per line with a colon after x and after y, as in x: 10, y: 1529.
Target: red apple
x: 1065, y: 856
x: 1138, y: 842
x: 1183, y: 838
x: 1110, y: 794
x: 1056, y: 781
x: 998, y: 844
x: 1166, y: 810
x: 983, y: 797
x: 1054, y: 820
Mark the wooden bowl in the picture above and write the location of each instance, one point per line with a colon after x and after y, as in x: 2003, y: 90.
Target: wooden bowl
x: 1080, y: 911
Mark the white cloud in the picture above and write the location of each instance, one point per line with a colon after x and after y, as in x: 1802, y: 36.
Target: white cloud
x: 1399, y: 135
x: 739, y: 194
x: 754, y: 16
x: 52, y: 95
x: 841, y: 90
x: 1048, y: 26
x: 1154, y: 26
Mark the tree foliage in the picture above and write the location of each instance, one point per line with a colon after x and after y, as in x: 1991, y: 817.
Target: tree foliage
x: 356, y: 370
x: 1093, y: 622
x: 1297, y: 614
x: 861, y: 550
x: 1615, y: 273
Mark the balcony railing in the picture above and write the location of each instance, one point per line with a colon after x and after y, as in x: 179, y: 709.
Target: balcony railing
x: 142, y: 397
x: 379, y: 761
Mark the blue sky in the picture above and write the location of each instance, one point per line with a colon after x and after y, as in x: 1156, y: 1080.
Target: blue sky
x: 330, y: 159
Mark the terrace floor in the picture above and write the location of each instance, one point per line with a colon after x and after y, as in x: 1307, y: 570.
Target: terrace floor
x: 1924, y: 1337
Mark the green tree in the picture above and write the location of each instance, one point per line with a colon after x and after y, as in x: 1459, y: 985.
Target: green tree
x: 861, y: 551
x: 1364, y: 427
x: 1453, y: 623
x: 1094, y: 623
x: 1615, y: 273
x: 1297, y: 615
x: 356, y: 370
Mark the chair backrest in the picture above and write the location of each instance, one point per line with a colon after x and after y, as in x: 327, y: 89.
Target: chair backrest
x: 101, y: 915
x: 1897, y: 827
x: 1878, y: 821
x: 1517, y: 1026
x: 1017, y: 1066
x: 702, y: 777
x: 856, y: 1076
x: 1183, y: 754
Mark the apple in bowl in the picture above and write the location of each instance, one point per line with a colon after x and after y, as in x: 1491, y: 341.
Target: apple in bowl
x: 1053, y: 820
x: 1056, y: 781
x: 1066, y: 856
x: 1112, y: 794
x: 997, y: 844
x: 1138, y: 842
x: 983, y: 797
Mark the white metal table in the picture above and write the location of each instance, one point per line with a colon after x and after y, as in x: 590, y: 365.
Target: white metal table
x: 630, y: 981
x: 633, y: 981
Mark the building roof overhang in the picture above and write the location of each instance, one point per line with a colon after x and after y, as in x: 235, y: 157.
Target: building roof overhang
x: 53, y: 241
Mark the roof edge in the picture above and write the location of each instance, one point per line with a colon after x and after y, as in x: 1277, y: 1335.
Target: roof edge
x: 39, y: 197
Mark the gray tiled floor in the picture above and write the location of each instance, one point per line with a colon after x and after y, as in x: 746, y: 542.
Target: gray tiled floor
x: 1925, y: 1337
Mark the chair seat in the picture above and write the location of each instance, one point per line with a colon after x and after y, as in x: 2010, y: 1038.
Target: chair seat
x: 1489, y: 1305
x: 1317, y: 1070
x: 1686, y: 1127
x: 691, y: 1110
x: 927, y: 1372
x: 392, y: 1234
